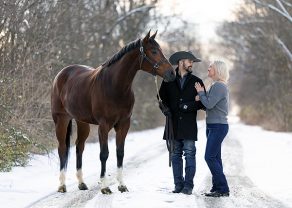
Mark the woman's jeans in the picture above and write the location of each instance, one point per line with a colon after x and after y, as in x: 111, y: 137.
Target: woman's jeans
x: 185, y: 148
x: 215, y: 136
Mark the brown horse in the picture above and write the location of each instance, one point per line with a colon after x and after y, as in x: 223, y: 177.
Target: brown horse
x: 104, y: 97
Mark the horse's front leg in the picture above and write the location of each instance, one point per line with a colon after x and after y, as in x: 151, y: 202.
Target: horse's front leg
x: 121, y: 133
x: 82, y: 134
x: 103, y: 142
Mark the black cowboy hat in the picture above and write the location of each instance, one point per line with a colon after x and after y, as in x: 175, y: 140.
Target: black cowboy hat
x: 174, y: 58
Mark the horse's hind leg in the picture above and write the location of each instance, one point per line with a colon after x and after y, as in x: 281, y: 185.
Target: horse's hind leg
x: 82, y: 134
x: 121, y: 133
x: 63, y: 126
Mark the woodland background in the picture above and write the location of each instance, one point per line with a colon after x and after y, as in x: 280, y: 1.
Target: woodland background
x: 40, y: 37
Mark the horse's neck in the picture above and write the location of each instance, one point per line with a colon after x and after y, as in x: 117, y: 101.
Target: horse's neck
x: 123, y: 73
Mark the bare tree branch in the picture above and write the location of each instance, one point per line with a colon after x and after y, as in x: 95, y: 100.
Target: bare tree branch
x: 282, y: 12
x: 122, y: 18
x: 284, y: 47
x: 287, y: 3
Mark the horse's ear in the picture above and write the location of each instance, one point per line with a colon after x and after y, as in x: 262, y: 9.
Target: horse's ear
x: 153, y: 36
x: 147, y: 36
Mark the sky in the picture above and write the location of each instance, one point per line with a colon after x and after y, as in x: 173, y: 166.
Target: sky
x: 257, y: 164
x: 207, y: 14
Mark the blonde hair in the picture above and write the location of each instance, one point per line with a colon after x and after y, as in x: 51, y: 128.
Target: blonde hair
x: 221, y: 71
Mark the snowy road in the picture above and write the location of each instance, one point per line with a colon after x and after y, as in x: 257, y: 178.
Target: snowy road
x: 149, y: 178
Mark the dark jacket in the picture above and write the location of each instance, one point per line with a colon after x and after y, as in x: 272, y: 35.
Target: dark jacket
x: 182, y: 105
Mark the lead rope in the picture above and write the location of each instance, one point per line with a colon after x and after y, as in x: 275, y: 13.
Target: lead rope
x: 169, y: 139
x: 156, y: 84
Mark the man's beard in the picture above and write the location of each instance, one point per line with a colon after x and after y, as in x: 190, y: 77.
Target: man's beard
x: 189, y: 69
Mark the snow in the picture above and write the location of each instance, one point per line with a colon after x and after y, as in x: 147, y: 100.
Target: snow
x: 267, y: 159
x: 257, y: 164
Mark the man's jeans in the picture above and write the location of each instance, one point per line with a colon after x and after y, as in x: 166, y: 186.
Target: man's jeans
x: 215, y: 136
x: 185, y: 148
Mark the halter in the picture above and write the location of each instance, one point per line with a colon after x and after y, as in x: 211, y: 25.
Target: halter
x: 155, y: 65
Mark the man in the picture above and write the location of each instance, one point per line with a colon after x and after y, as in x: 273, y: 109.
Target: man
x: 179, y: 96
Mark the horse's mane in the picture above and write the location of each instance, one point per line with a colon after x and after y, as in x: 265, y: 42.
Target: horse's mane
x: 123, y: 51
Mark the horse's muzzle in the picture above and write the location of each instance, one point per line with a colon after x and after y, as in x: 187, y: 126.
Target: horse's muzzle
x: 169, y: 75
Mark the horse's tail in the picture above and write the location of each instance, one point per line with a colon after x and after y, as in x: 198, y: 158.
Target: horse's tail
x: 68, y: 137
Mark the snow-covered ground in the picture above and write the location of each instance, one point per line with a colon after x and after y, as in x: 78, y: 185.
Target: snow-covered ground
x: 257, y: 164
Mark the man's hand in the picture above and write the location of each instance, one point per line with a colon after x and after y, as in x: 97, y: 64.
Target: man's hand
x: 164, y: 109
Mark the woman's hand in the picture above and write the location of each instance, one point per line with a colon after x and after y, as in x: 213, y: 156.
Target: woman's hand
x: 197, y: 98
x: 198, y: 87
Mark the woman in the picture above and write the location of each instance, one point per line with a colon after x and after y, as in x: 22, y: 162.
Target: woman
x: 216, y: 101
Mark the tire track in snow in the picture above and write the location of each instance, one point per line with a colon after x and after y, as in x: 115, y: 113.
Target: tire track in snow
x: 244, y: 193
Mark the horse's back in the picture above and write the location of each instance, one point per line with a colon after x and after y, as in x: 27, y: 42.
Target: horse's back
x: 70, y: 72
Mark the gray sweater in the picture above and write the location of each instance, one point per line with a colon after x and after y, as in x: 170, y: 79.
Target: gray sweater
x: 216, y: 102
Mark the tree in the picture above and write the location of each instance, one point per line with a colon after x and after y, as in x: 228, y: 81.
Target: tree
x: 259, y: 42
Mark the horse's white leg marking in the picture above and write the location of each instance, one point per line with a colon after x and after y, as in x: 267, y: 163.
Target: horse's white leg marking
x: 104, y: 182
x: 79, y: 175
x: 120, y: 176
x: 62, y: 177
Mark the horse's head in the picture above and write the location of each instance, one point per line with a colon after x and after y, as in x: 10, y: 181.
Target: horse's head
x: 153, y: 60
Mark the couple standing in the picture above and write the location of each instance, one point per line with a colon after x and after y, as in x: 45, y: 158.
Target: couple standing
x: 183, y: 97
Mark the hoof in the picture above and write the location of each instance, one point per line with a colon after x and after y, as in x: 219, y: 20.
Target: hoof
x: 123, y: 188
x: 82, y: 186
x: 62, y: 189
x: 106, y: 191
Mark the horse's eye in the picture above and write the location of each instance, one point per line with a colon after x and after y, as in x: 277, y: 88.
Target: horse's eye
x: 154, y: 51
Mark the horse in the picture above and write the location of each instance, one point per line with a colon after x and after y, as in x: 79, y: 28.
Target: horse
x: 102, y: 96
